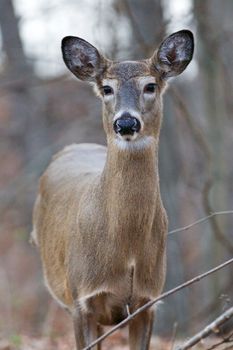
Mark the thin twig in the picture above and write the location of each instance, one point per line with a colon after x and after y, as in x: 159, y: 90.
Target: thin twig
x: 227, y: 339
x: 152, y: 302
x: 228, y: 347
x: 205, y: 218
x: 174, y: 333
x: 211, y: 328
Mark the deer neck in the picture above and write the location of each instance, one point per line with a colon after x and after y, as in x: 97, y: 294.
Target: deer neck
x: 124, y: 164
x: 130, y: 187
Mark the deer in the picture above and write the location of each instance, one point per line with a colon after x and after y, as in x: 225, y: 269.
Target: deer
x: 98, y: 221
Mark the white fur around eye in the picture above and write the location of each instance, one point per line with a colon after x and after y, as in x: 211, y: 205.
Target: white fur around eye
x: 109, y: 97
x: 149, y: 97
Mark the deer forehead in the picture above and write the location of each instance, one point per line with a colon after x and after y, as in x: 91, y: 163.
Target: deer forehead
x: 127, y: 70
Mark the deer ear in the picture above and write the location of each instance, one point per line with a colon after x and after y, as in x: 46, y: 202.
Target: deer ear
x: 82, y: 59
x: 174, y: 53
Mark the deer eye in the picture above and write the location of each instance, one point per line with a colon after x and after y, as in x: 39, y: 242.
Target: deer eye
x: 150, y: 88
x: 107, y: 90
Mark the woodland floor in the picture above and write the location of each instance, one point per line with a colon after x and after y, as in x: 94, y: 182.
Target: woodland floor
x: 117, y: 341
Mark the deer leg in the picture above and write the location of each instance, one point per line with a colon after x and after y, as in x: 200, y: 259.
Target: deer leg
x: 85, y: 328
x: 140, y: 329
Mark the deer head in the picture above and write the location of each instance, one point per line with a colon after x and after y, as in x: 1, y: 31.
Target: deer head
x: 130, y: 90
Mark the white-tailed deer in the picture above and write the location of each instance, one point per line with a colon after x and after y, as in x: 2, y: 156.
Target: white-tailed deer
x: 99, y: 221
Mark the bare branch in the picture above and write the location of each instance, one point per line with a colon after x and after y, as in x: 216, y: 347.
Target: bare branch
x: 211, y: 328
x: 152, y: 302
x: 184, y: 228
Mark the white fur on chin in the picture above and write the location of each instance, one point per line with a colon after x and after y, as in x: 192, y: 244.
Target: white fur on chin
x: 135, y: 144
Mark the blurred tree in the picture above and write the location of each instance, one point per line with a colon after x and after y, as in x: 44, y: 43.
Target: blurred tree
x: 146, y: 23
x: 26, y: 131
x: 16, y: 64
x: 214, y: 25
x: 209, y: 16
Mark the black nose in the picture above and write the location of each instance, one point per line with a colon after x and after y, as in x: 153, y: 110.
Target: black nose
x: 127, y: 125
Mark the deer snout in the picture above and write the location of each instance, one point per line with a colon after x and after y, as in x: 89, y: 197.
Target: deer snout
x: 126, y: 125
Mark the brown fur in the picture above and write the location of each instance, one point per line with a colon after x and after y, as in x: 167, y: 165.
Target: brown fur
x: 99, y: 221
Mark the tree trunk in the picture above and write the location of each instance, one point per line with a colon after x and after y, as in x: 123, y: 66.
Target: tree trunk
x: 16, y: 61
x: 211, y: 16
x: 26, y: 131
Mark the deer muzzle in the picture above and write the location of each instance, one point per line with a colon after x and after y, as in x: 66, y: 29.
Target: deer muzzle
x: 126, y: 125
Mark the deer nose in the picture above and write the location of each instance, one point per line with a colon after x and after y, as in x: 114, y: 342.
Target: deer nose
x: 126, y: 125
